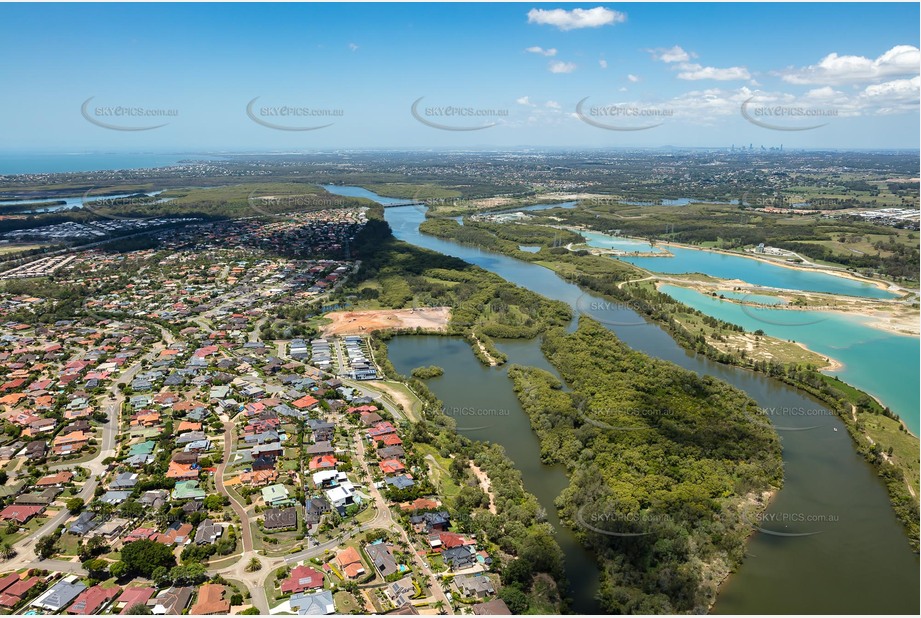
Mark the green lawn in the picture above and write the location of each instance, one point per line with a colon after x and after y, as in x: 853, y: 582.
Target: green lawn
x: 346, y: 604
x: 447, y: 487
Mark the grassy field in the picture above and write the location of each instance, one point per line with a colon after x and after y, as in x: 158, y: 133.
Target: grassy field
x: 447, y: 487
x: 346, y: 604
x: 8, y: 248
x: 23, y: 531
x: 885, y: 432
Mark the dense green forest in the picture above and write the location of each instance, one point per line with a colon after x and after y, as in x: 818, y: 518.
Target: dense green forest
x: 525, y: 553
x: 396, y: 275
x: 661, y: 463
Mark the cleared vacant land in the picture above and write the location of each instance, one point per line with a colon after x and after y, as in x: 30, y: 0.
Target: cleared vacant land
x: 358, y: 322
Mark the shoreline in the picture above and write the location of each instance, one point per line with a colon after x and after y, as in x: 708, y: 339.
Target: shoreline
x: 764, y: 499
x: 880, y: 284
x: 833, y: 363
x: 902, y: 326
x: 844, y: 274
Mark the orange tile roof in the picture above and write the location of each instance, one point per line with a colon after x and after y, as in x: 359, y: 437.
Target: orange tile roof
x: 181, y: 471
x: 350, y: 562
x: 210, y: 601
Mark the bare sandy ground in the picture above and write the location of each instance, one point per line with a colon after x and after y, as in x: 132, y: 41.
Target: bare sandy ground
x: 363, y: 322
x: 397, y: 395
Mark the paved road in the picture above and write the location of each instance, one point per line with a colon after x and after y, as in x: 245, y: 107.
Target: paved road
x: 434, y: 582
x: 25, y: 548
x: 239, y: 509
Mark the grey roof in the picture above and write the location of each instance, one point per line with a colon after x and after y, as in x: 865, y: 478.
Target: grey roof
x: 383, y: 560
x: 459, y: 557
x: 173, y: 600
x: 400, y: 482
x: 477, y: 584
x: 85, y: 522
x: 115, y: 497
x: 192, y: 436
x: 208, y: 532
x: 60, y: 595
x: 125, y: 480
x: 280, y: 518
x: 314, y: 604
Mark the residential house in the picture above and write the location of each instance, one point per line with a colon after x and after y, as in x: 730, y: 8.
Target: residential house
x: 461, y: 557
x: 55, y: 480
x: 401, y: 591
x: 302, y: 578
x: 276, y: 495
x: 496, y: 607
x: 125, y: 480
x: 172, y: 601
x: 350, y: 563
x: 210, y: 601
x: 381, y: 556
x: 115, y: 497
x: 14, y: 594
x: 85, y: 522
x: 477, y: 586
x: 177, y: 533
x: 44, y: 497
x: 426, y: 523
x: 60, y: 595
x: 21, y: 513
x: 280, y: 519
x: 188, y: 490
x: 93, y: 599
x: 315, y: 604
x: 315, y: 509
x: 208, y: 532
x: 134, y: 596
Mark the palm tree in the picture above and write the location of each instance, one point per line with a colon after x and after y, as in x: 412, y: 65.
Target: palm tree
x: 7, y: 551
x: 253, y: 565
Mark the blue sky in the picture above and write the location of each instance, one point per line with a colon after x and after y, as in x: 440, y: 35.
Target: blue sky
x: 522, y: 68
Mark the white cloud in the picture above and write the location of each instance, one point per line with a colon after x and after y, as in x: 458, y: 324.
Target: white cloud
x: 900, y: 61
x: 353, y: 47
x: 821, y: 94
x: 632, y: 78
x: 561, y: 67
x: 540, y: 50
x: 673, y: 54
x: 622, y: 89
x: 692, y: 71
x: 695, y: 72
x: 524, y: 101
x: 552, y: 105
x: 576, y: 18
x: 893, y: 97
x: 602, y: 63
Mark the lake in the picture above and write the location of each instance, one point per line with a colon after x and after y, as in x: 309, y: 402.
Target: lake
x: 879, y: 362
x: 757, y: 272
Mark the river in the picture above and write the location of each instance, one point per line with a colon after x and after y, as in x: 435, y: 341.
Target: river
x: 855, y: 557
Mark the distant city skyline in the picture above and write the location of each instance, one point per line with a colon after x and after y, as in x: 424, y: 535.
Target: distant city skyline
x: 294, y: 77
